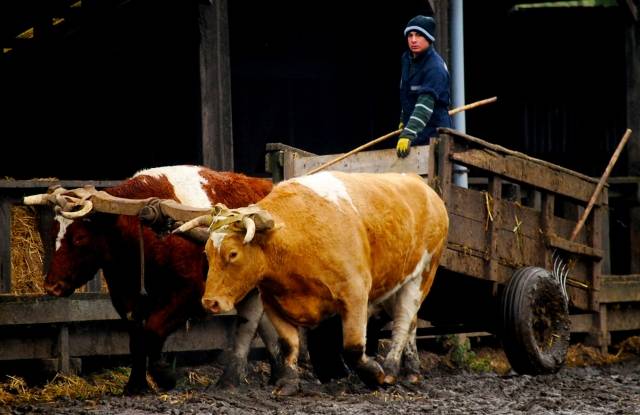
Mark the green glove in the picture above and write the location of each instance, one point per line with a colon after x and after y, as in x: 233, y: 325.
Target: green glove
x: 401, y: 126
x: 403, y: 147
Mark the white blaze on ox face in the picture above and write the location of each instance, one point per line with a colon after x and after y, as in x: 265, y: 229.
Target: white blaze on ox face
x: 186, y: 181
x: 64, y: 224
x: 328, y: 186
x: 217, y: 237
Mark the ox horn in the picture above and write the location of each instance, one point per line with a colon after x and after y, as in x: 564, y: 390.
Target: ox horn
x: 44, y: 198
x: 250, y: 226
x: 41, y: 199
x: 87, y: 206
x: 257, y: 219
x: 204, y: 220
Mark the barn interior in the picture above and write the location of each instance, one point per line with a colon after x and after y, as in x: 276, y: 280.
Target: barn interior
x: 98, y: 89
x: 87, y: 83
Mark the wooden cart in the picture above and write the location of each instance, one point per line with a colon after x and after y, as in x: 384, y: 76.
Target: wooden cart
x: 505, y: 228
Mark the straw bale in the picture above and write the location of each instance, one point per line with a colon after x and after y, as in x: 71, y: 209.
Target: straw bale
x: 27, y: 252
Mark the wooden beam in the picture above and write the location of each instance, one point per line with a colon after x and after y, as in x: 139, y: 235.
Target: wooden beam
x: 43, y: 185
x: 617, y: 320
x: 527, y: 172
x: 472, y: 141
x: 374, y: 161
x: 215, y: 86
x: 105, y: 338
x: 573, y: 247
x: 45, y: 310
x: 620, y: 288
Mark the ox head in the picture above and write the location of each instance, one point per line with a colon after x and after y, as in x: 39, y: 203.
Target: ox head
x: 235, y: 252
x: 81, y: 245
x: 78, y: 243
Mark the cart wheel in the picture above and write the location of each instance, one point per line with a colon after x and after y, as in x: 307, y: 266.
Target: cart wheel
x: 535, y: 322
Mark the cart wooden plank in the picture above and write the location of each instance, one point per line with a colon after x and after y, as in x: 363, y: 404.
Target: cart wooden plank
x: 374, y: 161
x: 527, y: 171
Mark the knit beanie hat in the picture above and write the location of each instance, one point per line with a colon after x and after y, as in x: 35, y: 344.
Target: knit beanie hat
x: 425, y: 25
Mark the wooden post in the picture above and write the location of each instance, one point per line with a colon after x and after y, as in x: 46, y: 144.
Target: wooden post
x: 633, y: 122
x: 63, y: 350
x: 45, y: 219
x: 215, y: 86
x: 599, y: 332
x: 595, y: 240
x: 5, y: 244
x: 491, y: 266
x: 548, y: 203
x: 445, y: 166
x: 441, y: 14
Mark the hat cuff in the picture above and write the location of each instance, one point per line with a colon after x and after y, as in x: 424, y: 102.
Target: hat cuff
x: 421, y: 30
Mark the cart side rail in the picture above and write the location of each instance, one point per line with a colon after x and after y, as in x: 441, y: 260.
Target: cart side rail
x: 524, y: 211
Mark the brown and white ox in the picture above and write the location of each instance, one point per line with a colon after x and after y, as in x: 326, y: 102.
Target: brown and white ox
x: 174, y: 266
x: 327, y: 244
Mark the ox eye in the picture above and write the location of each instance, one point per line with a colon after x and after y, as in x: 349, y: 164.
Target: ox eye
x: 233, y: 255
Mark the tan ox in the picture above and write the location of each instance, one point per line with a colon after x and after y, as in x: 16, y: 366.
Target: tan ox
x: 326, y: 244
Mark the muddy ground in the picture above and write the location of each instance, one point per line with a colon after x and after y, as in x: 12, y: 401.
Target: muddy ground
x: 446, y: 389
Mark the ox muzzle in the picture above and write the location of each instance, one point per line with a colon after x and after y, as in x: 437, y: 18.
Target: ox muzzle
x: 58, y: 289
x: 217, y: 305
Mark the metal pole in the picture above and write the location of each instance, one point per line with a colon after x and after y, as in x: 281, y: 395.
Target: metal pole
x: 457, y: 76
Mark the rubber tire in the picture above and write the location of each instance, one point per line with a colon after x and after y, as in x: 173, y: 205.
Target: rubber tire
x: 535, y: 322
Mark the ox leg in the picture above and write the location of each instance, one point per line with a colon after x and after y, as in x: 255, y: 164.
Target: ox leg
x: 162, y: 372
x: 324, y: 343
x: 289, y: 382
x: 137, y: 383
x: 354, y: 327
x: 269, y: 337
x: 411, y: 358
x: 161, y: 322
x: 407, y: 302
x: 249, y: 314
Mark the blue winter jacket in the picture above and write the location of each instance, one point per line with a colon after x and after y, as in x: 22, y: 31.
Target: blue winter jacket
x: 425, y: 74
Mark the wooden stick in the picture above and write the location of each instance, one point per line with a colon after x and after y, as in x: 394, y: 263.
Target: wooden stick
x: 473, y: 105
x: 600, y: 185
x: 355, y: 150
x: 396, y: 132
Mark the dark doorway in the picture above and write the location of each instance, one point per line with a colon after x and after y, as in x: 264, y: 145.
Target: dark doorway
x: 321, y: 77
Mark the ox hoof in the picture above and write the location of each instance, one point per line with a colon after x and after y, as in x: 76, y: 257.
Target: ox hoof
x: 289, y: 382
x: 163, y: 375
x: 390, y: 380
x: 235, y: 369
x: 413, y: 378
x: 287, y: 388
x: 371, y: 373
x: 278, y: 371
x: 136, y: 388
